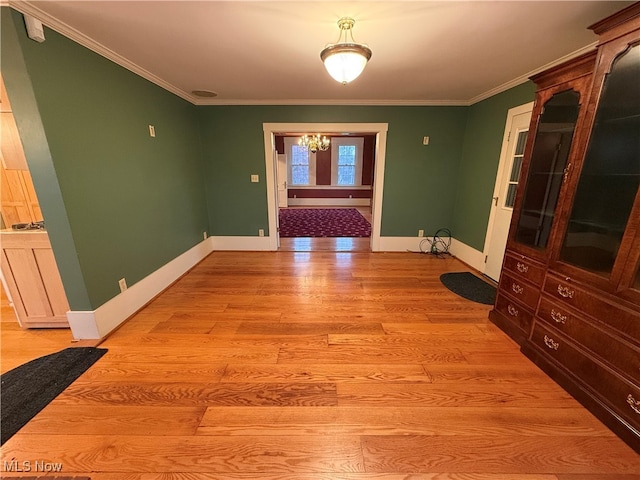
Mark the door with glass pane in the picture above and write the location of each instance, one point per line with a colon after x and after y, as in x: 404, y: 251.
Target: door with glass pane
x: 502, y: 208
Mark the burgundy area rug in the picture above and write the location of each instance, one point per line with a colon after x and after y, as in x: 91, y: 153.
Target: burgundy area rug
x: 323, y: 222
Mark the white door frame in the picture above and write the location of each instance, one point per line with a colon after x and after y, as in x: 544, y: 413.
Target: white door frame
x: 380, y: 129
x: 502, y: 166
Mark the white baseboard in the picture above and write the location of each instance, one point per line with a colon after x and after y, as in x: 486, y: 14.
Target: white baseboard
x: 467, y: 254
x: 403, y: 244
x: 98, y: 323
x: 332, y: 202
x: 242, y: 243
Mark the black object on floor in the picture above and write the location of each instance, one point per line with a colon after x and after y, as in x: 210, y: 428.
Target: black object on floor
x: 27, y: 389
x: 469, y: 286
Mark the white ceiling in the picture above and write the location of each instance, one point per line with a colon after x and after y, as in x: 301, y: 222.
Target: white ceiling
x: 268, y: 52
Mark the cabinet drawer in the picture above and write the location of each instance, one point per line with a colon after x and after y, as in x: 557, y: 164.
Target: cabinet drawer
x: 621, y: 319
x: 515, y: 312
x: 523, y: 267
x: 611, y: 349
x: 520, y: 290
x: 622, y: 396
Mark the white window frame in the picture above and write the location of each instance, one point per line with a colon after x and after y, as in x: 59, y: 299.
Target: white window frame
x: 289, y: 142
x: 336, y: 142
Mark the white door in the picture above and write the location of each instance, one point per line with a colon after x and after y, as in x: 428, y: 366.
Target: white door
x: 515, y: 139
x: 282, y: 181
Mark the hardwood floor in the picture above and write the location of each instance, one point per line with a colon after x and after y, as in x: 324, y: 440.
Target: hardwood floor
x: 315, y: 366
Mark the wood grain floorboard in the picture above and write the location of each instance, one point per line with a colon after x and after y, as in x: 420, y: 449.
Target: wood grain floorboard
x: 198, y: 394
x: 308, y: 328
x: 140, y: 372
x: 255, y: 454
x: 157, y: 354
x: 316, y: 365
x: 441, y: 421
x: 189, y: 340
x: 504, y: 454
x: 338, y: 373
x: 451, y: 395
x: 58, y: 419
x: 427, y: 328
x: 375, y: 354
x: 457, y: 341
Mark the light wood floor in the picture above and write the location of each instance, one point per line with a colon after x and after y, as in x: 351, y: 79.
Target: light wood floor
x: 314, y: 366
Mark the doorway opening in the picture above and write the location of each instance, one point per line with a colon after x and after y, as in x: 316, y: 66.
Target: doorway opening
x: 324, y: 193
x: 316, y: 196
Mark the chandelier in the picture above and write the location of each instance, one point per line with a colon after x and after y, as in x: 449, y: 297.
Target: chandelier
x: 345, y: 60
x: 314, y: 142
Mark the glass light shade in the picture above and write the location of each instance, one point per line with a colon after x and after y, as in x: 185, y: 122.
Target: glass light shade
x: 345, y: 62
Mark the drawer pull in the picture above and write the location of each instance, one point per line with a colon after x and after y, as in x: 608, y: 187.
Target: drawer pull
x: 517, y: 289
x: 558, y: 317
x: 512, y: 310
x: 551, y: 343
x: 634, y: 404
x: 522, y: 268
x: 565, y: 292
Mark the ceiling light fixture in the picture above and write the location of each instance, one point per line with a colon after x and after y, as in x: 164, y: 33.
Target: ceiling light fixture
x: 345, y: 60
x: 315, y: 142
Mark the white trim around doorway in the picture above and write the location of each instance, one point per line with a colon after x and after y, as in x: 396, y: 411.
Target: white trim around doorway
x: 379, y: 129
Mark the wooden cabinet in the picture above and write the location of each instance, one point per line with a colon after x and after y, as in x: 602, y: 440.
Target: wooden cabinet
x: 30, y: 271
x: 577, y: 219
x: 561, y: 94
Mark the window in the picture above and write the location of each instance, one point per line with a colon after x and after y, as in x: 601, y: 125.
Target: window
x: 301, y: 163
x: 516, y: 165
x: 346, y: 165
x: 346, y: 160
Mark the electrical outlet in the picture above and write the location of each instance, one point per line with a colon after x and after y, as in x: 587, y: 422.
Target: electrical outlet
x: 123, y: 284
x: 425, y: 140
x: 261, y: 232
x: 421, y: 233
x: 255, y: 178
x: 204, y: 235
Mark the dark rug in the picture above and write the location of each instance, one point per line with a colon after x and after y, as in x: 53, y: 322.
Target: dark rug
x: 469, y: 286
x: 27, y: 389
x: 323, y: 222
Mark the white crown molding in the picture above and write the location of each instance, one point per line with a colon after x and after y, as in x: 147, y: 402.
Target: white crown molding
x: 524, y: 78
x: 379, y: 103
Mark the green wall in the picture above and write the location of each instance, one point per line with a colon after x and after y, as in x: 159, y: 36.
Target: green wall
x: 132, y: 202
x: 479, y: 163
x: 419, y: 183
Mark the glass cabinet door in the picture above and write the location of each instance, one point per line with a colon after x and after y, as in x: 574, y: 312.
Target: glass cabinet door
x: 610, y: 175
x: 549, y: 155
